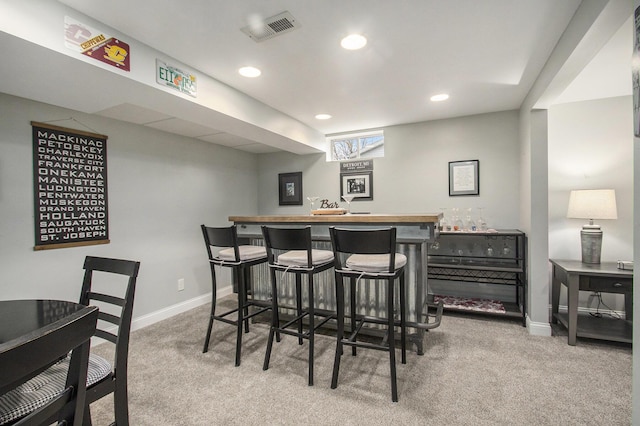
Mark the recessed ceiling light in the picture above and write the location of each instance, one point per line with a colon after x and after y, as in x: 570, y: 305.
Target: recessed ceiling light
x: 353, y: 42
x: 249, y: 72
x: 440, y: 97
x: 323, y: 116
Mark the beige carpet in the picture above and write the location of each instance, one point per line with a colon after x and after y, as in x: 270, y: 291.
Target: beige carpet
x: 475, y: 371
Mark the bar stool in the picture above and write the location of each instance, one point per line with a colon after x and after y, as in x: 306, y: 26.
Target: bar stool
x: 289, y: 251
x: 239, y: 258
x: 369, y: 254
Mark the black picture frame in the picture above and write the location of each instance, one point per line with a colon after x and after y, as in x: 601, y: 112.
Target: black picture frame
x: 359, y: 185
x: 290, y: 189
x: 464, y: 177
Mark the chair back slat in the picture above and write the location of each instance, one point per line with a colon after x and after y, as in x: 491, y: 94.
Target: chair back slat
x: 106, y: 336
x: 107, y: 298
x: 287, y: 238
x: 113, y: 319
x: 364, y: 241
x: 114, y: 266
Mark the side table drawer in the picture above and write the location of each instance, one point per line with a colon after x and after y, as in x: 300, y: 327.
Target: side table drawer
x: 606, y: 284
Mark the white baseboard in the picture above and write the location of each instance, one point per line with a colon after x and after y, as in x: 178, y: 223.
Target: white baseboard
x: 538, y: 328
x: 168, y: 312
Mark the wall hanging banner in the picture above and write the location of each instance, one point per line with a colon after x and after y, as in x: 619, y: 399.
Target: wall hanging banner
x: 94, y: 44
x: 70, y: 187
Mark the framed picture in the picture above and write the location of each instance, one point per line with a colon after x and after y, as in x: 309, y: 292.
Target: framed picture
x: 357, y: 185
x: 290, y: 189
x: 464, y: 177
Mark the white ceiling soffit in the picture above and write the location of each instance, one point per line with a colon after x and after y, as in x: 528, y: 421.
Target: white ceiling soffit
x: 157, y: 120
x: 608, y: 74
x: 133, y: 114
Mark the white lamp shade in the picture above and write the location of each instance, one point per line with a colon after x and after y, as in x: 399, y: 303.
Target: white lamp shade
x: 592, y: 204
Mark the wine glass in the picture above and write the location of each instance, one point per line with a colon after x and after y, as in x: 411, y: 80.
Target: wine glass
x: 444, y: 224
x: 469, y: 224
x: 506, y: 250
x: 490, y: 251
x: 348, y: 199
x: 312, y: 200
x: 482, y: 224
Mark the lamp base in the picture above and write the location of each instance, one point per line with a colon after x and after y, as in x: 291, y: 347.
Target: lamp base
x: 591, y: 239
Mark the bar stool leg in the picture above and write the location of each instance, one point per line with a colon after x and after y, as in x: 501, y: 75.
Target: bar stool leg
x: 354, y: 314
x: 392, y: 341
x: 240, y: 320
x: 339, y: 331
x: 244, y: 273
x: 274, y: 319
x: 299, y: 304
x: 403, y: 330
x: 213, y: 309
x: 311, y: 327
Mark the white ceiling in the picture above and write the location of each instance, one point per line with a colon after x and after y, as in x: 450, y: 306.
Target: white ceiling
x: 485, y: 54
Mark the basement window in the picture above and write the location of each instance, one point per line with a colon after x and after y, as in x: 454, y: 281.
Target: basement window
x: 356, y: 145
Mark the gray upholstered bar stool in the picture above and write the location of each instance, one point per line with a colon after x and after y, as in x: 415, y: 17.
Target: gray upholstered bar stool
x: 368, y: 254
x: 239, y: 258
x: 289, y: 251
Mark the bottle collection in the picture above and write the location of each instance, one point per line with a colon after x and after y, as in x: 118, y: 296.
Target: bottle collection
x: 463, y: 222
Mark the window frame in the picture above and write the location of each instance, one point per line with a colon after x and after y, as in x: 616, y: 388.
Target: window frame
x: 333, y: 139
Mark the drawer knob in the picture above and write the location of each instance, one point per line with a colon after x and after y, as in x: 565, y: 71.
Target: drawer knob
x: 617, y: 285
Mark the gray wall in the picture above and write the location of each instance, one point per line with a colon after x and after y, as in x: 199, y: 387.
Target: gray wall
x: 161, y: 188
x: 591, y: 147
x: 413, y: 176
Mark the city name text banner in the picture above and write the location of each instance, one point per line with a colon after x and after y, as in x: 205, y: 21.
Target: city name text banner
x: 70, y: 187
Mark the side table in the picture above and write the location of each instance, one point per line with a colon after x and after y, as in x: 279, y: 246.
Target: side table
x: 604, y: 277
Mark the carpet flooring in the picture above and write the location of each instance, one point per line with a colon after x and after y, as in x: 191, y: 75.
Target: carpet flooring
x: 475, y: 371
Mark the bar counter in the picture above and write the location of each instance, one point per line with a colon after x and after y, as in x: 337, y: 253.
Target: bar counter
x: 414, y: 232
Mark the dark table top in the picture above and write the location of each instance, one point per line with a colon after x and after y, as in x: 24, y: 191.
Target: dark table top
x: 21, y: 317
x: 604, y: 268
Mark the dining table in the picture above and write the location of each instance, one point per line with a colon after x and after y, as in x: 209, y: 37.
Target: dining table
x: 23, y: 320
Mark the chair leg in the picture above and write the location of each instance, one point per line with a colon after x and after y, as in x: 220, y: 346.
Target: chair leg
x: 299, y: 304
x: 339, y: 331
x: 86, y: 419
x: 311, y: 327
x: 244, y: 276
x: 352, y: 300
x: 403, y: 329
x: 392, y: 341
x: 240, y: 320
x: 274, y: 320
x: 213, y: 309
x: 120, y: 401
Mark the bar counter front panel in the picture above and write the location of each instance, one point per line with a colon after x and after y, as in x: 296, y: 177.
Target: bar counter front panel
x: 414, y: 232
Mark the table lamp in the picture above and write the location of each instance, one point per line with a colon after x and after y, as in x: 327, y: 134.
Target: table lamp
x: 592, y: 204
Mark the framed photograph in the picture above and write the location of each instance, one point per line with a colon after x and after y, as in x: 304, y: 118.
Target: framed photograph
x: 358, y: 185
x: 290, y: 189
x: 464, y: 177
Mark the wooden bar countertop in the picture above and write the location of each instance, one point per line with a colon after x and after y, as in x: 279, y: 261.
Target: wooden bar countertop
x: 341, y: 218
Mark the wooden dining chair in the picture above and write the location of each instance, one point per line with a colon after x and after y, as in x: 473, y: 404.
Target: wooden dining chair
x: 36, y: 352
x: 116, y: 308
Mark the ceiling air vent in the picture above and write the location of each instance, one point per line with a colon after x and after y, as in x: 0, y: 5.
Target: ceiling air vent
x: 269, y: 28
